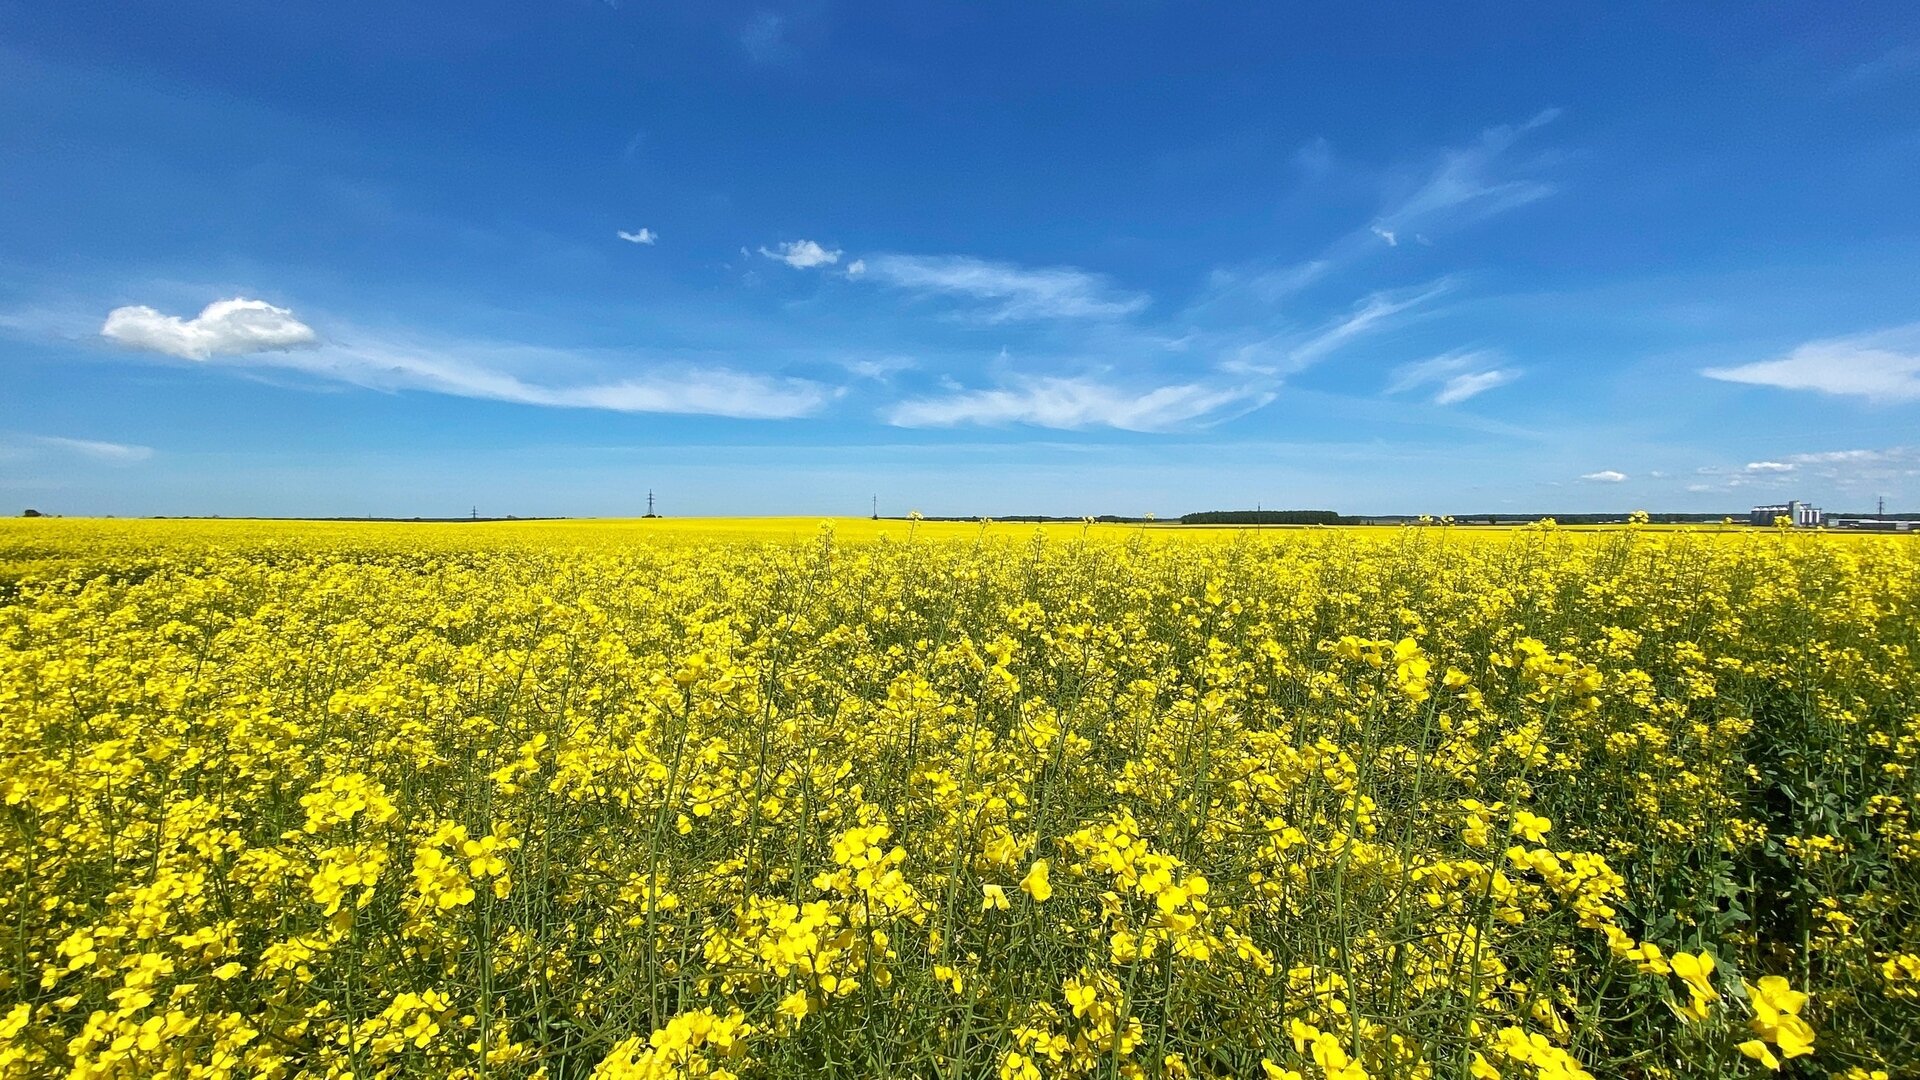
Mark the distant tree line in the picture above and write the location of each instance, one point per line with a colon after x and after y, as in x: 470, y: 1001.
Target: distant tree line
x: 1329, y: 517
x: 1040, y: 519
x: 1592, y: 519
x: 1262, y: 517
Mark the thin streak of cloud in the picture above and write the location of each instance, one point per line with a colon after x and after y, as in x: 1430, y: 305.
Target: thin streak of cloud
x: 455, y: 369
x: 764, y: 39
x: 1459, y: 376
x: 1075, y: 403
x: 1882, y: 367
x: 112, y: 453
x: 250, y: 335
x: 1009, y: 292
x: 1896, y: 62
x: 1467, y: 184
x: 1461, y: 387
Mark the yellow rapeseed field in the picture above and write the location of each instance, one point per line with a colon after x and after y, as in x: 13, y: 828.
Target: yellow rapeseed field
x: 777, y: 799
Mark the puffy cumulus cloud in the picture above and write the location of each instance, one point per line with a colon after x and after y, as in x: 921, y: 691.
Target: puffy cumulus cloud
x: 1009, y: 292
x: 802, y: 254
x: 1079, y: 402
x: 223, y: 328
x: 1605, y: 476
x: 644, y: 236
x: 1882, y: 367
x: 1454, y: 377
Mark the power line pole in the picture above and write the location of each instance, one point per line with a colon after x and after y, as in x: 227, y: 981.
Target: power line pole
x: 876, y: 508
x: 1882, y: 511
x: 649, y: 502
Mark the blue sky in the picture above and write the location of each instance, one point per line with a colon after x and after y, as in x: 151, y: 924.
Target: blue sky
x: 1076, y: 257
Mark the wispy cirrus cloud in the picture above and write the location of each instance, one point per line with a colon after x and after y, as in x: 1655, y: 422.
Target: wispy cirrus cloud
x: 1468, y: 183
x: 764, y: 38
x: 1453, y: 377
x: 1881, y: 367
x: 643, y: 236
x: 489, y: 372
x: 247, y: 334
x: 109, y: 453
x: 1290, y: 351
x: 1370, y: 314
x: 1079, y: 402
x: 1464, y: 185
x: 1005, y: 291
x: 1896, y: 62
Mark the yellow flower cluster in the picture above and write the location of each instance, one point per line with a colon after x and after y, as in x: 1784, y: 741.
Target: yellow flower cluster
x: 765, y: 800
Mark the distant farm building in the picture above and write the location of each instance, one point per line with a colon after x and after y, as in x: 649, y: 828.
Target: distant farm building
x: 1874, y: 524
x: 1797, y: 513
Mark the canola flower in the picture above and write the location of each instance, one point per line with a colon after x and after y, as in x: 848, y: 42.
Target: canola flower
x: 738, y: 800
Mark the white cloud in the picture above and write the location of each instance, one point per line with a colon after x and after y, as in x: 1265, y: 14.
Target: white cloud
x: 1468, y: 183
x: 1458, y: 376
x: 803, y: 254
x: 856, y: 268
x: 879, y: 370
x: 1769, y: 467
x: 224, y: 328
x: 1834, y: 457
x: 1893, y: 63
x: 110, y: 452
x: 1465, y: 184
x: 1605, y: 476
x: 765, y: 38
x: 1371, y: 312
x: 1072, y: 403
x: 1884, y: 471
x: 535, y: 375
x: 457, y: 370
x: 1012, y: 292
x: 1461, y: 387
x: 1882, y: 367
x: 644, y: 236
